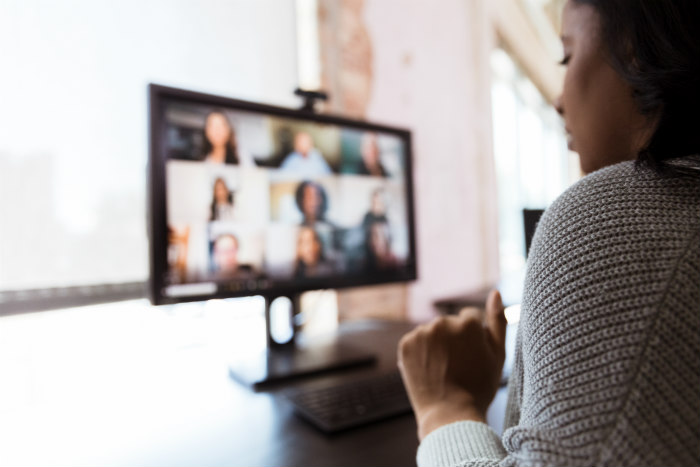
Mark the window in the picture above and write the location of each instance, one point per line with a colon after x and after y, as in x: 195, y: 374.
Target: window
x: 73, y: 120
x: 533, y: 164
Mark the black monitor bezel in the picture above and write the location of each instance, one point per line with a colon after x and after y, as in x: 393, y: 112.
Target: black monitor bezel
x: 156, y: 211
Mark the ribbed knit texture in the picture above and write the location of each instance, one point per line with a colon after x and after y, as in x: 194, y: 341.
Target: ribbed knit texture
x: 456, y: 441
x: 607, y: 367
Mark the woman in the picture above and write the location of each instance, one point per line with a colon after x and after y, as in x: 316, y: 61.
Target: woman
x: 221, y: 208
x: 378, y: 254
x: 312, y: 202
x: 370, y: 163
x: 310, y: 261
x: 219, y: 140
x: 377, y: 209
x: 608, y: 348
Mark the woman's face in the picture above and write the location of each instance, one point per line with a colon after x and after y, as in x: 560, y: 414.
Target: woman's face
x: 220, y: 192
x: 601, y: 117
x: 217, y: 130
x: 308, y: 249
x: 311, y: 202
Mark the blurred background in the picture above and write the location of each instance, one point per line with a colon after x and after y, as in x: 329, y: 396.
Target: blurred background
x: 474, y: 80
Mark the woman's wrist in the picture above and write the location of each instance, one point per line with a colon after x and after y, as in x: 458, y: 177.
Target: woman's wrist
x: 444, y: 413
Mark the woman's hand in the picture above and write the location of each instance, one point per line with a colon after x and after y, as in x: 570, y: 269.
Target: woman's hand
x: 452, y: 366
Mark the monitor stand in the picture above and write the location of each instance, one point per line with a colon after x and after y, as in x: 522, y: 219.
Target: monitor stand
x: 288, y: 355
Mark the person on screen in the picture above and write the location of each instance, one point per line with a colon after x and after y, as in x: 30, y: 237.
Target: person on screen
x: 377, y: 210
x: 219, y: 140
x: 178, y: 243
x: 370, y: 164
x: 305, y: 160
x: 312, y: 202
x: 380, y: 257
x: 225, y: 258
x: 310, y: 259
x: 221, y: 208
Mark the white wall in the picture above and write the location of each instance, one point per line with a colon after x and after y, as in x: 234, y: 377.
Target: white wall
x: 73, y: 118
x: 431, y: 74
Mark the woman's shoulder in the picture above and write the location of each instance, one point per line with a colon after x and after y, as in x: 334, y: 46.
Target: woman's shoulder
x: 613, y: 276
x: 613, y: 241
x: 628, y: 190
x: 623, y: 215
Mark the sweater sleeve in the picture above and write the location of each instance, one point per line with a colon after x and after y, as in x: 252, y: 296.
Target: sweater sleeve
x: 609, y: 336
x: 461, y: 443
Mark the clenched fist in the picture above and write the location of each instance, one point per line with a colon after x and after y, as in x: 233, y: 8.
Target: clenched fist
x: 452, y: 366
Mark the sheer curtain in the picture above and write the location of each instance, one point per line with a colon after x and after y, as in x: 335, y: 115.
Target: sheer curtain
x: 73, y: 120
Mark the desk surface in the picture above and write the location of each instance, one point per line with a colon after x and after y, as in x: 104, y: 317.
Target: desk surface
x: 130, y: 384
x: 296, y: 443
x: 115, y: 387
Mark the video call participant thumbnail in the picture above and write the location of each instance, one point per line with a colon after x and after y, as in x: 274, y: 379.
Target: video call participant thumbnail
x: 305, y: 160
x: 379, y: 255
x: 310, y: 258
x: 370, y: 163
x: 219, y: 140
x: 312, y: 201
x: 225, y: 258
x: 221, y: 208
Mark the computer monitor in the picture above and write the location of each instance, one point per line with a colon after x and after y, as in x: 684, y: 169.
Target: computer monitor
x: 531, y: 218
x: 252, y: 199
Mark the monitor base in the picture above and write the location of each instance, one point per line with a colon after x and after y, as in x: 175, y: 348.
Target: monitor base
x: 287, y: 362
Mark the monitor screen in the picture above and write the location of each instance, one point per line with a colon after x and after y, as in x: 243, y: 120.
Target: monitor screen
x: 250, y: 199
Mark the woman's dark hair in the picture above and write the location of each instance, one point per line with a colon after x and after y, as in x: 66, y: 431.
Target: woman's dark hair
x: 320, y: 214
x: 655, y: 46
x: 229, y: 197
x: 300, y: 267
x: 231, y: 144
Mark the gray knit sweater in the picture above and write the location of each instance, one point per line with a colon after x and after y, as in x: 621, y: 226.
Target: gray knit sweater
x: 607, y: 363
